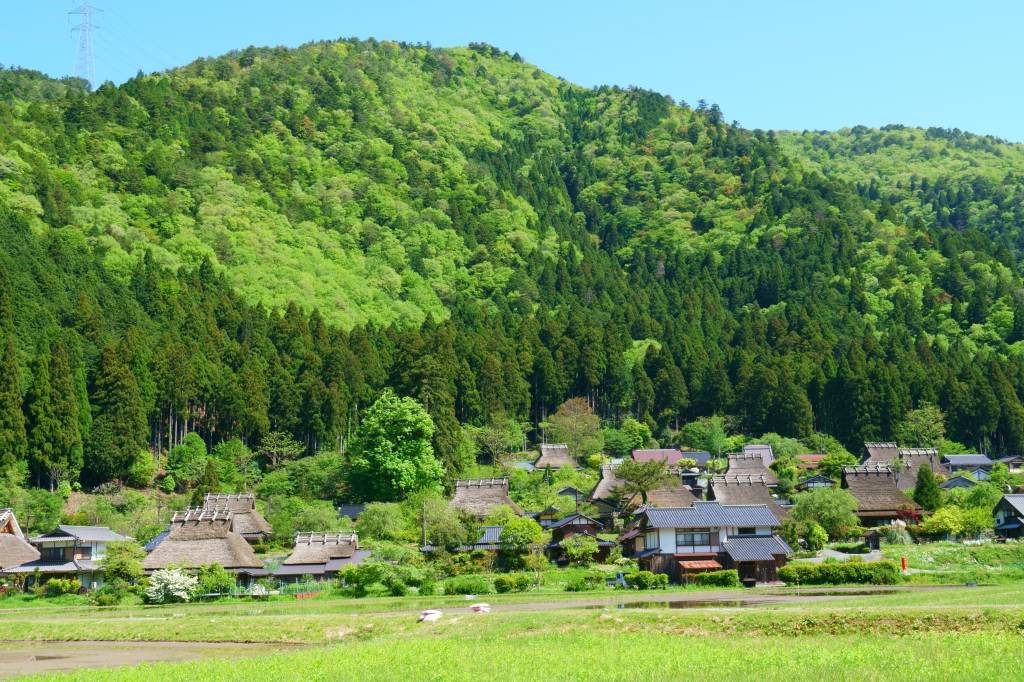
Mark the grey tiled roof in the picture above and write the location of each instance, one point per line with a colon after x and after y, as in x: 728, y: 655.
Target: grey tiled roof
x: 968, y: 460
x: 83, y: 533
x: 709, y: 514
x: 1015, y: 501
x: 761, y: 548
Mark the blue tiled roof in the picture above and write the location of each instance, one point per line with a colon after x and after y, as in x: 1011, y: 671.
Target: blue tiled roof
x: 760, y: 548
x: 710, y: 514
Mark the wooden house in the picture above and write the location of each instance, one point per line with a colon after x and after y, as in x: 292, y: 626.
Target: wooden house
x: 320, y: 556
x: 555, y: 456
x: 669, y: 456
x: 205, y: 536
x: 1009, y: 514
x: 707, y: 536
x: 746, y: 489
x: 576, y: 524
x: 480, y: 496
x: 815, y: 481
x: 246, y: 519
x: 879, y: 498
x: 1015, y: 464
x: 71, y: 552
x: 14, y: 548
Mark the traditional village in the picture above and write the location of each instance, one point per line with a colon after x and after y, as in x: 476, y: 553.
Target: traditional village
x: 659, y: 517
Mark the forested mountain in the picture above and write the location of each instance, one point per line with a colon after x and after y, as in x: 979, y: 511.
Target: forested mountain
x: 267, y: 240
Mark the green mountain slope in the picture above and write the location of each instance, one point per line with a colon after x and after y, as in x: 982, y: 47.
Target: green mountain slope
x: 271, y: 238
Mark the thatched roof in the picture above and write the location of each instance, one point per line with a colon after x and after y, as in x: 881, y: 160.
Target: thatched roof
x: 751, y: 464
x: 874, y: 486
x: 14, y: 549
x: 762, y: 450
x: 199, y: 537
x: 736, y: 489
x: 481, y: 496
x: 607, y: 486
x: 671, y: 494
x: 881, y: 452
x: 248, y: 522
x: 554, y: 455
x: 319, y: 548
x: 910, y: 462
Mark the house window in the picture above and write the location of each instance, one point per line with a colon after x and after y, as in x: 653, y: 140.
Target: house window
x: 746, y: 531
x: 651, y: 541
x: 693, y: 537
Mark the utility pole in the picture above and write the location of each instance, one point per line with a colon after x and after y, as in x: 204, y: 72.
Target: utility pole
x: 85, y: 67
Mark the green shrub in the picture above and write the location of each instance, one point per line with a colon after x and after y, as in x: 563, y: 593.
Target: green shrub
x: 585, y: 582
x: 897, y: 535
x: 513, y: 582
x: 427, y: 588
x: 468, y: 584
x: 56, y: 587
x: 727, y: 578
x: 848, y: 573
x: 645, y: 580
x: 214, y: 579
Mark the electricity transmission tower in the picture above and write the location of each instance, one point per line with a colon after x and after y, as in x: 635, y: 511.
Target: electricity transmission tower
x: 84, y: 66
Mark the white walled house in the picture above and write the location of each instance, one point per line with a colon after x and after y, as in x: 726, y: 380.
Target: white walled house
x: 708, y: 536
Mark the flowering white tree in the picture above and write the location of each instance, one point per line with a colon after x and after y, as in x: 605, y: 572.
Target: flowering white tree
x: 170, y: 585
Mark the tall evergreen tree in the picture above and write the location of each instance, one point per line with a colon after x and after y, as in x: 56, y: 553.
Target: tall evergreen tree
x: 13, y: 439
x: 119, y: 422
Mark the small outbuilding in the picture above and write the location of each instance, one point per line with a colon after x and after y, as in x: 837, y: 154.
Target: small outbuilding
x: 320, y: 556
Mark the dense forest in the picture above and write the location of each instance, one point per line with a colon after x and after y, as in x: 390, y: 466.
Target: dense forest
x: 266, y: 241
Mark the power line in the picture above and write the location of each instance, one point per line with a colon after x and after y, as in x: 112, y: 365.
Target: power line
x: 85, y: 66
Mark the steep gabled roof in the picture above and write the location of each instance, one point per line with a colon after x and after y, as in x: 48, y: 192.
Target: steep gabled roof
x: 958, y: 482
x: 711, y: 515
x: 199, y: 537
x: 670, y: 494
x: 554, y: 455
x: 1016, y: 502
x: 248, y: 522
x: 14, y: 549
x: 751, y: 464
x: 481, y: 496
x: 910, y: 462
x: 874, y: 486
x: 745, y: 489
x: 881, y: 452
x: 607, y: 487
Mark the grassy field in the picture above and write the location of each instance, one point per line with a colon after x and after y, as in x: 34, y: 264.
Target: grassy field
x: 816, y: 642
x: 826, y: 634
x: 950, y: 562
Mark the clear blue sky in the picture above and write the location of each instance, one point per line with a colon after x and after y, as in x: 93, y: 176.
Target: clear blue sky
x: 769, y: 64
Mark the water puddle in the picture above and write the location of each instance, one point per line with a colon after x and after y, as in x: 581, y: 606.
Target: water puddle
x: 685, y: 604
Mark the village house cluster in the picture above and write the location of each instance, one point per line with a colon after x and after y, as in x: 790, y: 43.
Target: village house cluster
x: 696, y: 521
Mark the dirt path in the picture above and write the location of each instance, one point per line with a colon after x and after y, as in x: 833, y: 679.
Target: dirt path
x: 33, y: 658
